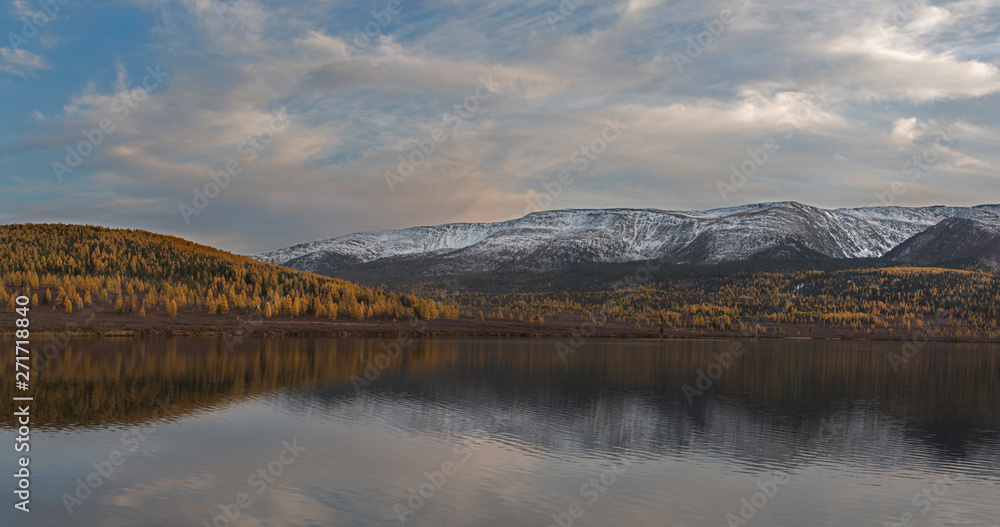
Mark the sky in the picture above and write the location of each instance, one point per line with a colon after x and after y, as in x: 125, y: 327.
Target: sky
x: 252, y: 125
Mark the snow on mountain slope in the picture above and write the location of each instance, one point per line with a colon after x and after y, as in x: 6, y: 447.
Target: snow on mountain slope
x: 552, y: 239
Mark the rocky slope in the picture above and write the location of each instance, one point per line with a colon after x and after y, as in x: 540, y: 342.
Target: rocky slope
x: 553, y: 239
x: 952, y: 239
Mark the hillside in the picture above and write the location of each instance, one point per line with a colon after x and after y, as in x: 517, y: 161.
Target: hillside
x: 73, y: 268
x: 871, y: 299
x: 954, y: 239
x: 92, y: 280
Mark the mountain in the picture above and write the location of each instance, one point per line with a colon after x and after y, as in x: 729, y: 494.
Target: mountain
x: 951, y: 240
x: 555, y: 239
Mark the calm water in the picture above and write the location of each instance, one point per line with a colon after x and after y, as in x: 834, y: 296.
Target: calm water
x: 505, y: 433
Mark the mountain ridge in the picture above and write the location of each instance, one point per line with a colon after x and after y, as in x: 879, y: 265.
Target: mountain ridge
x: 549, y: 240
x: 952, y: 239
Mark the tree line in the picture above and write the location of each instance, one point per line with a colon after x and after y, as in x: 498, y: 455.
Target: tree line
x: 137, y: 273
x: 134, y: 272
x: 947, y: 302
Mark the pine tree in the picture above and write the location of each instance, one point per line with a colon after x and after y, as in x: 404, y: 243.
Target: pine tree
x: 222, y: 307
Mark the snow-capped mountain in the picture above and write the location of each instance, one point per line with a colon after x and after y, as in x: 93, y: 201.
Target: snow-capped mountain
x: 553, y: 239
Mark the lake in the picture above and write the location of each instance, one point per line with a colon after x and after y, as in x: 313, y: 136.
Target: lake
x: 330, y: 432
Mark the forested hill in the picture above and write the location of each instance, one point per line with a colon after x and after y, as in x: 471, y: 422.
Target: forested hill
x: 138, y: 272
x: 125, y: 276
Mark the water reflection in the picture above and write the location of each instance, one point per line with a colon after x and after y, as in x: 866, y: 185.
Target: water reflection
x: 946, y: 396
x: 856, y: 434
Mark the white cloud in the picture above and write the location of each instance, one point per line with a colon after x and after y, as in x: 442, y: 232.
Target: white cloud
x: 902, y: 53
x: 20, y: 62
x: 904, y: 132
x: 355, y: 111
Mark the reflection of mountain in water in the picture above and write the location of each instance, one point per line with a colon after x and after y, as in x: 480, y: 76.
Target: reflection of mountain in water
x: 768, y: 407
x: 779, y: 404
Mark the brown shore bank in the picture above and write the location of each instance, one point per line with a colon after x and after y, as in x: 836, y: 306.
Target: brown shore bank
x: 46, y: 323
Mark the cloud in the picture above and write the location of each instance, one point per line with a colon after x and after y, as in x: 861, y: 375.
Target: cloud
x: 20, y: 62
x: 906, y: 51
x: 862, y: 87
x: 904, y: 132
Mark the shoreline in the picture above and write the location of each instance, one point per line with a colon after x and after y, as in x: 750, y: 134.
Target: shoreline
x: 89, y: 324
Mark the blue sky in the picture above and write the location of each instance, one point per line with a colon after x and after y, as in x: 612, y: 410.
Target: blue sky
x: 824, y: 103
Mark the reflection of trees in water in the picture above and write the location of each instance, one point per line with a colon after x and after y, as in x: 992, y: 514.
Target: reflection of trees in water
x: 768, y: 406
x: 114, y: 381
